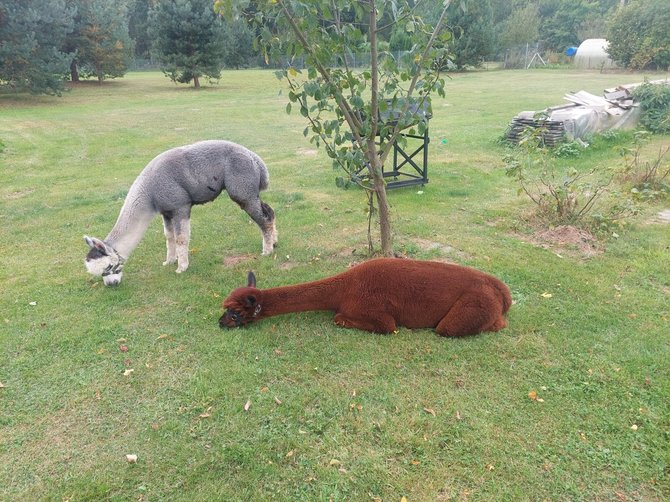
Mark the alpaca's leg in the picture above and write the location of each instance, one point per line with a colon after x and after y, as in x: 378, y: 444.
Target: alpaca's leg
x: 474, y: 312
x: 170, y: 240
x: 376, y: 322
x: 264, y: 217
x: 269, y: 215
x: 182, y: 230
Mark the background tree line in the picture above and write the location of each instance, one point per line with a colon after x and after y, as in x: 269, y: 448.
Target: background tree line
x: 44, y: 42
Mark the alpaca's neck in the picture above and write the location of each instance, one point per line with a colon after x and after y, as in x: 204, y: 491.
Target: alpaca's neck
x: 325, y: 294
x: 133, y: 221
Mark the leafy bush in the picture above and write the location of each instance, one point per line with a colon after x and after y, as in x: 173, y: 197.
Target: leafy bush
x: 654, y: 102
x: 650, y: 178
x: 638, y: 35
x: 564, y: 195
x: 568, y: 149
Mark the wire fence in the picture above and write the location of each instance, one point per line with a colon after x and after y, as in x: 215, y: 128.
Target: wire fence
x: 357, y: 61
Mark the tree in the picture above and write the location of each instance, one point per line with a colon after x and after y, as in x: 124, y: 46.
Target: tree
x: 562, y: 21
x: 639, y: 37
x: 138, y: 21
x: 238, y: 44
x: 187, y: 39
x: 343, y: 106
x: 100, y: 40
x: 31, y: 33
x: 520, y: 28
x: 472, y: 22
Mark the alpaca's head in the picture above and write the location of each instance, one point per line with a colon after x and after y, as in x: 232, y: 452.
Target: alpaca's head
x: 102, y: 259
x: 242, y: 305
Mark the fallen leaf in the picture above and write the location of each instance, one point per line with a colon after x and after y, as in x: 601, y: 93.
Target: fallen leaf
x: 532, y: 395
x: 458, y: 415
x: 247, y: 405
x: 290, y: 454
x: 128, y: 372
x: 206, y: 413
x: 123, y: 348
x: 546, y: 295
x: 415, y: 462
x: 161, y: 337
x: 490, y: 467
x: 278, y: 352
x: 131, y: 458
x: 121, y: 340
x: 155, y: 426
x: 32, y: 304
x: 403, y: 499
x: 334, y: 462
x: 2, y: 386
x: 430, y: 411
x: 264, y: 389
x: 634, y: 427
x: 98, y: 394
x: 277, y: 400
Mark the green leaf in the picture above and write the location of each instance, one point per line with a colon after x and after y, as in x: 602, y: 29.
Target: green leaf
x: 288, y: 108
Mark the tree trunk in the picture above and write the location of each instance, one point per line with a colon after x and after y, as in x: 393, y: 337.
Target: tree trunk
x: 375, y: 161
x: 74, y: 71
x: 376, y: 172
x: 196, y: 82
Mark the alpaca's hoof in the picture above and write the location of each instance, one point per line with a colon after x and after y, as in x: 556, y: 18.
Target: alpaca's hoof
x: 169, y: 262
x: 181, y: 269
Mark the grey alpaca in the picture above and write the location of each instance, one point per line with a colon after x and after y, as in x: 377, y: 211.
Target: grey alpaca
x: 171, y: 184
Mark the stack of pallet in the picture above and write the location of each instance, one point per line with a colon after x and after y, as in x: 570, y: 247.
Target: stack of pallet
x: 586, y: 114
x: 551, y: 131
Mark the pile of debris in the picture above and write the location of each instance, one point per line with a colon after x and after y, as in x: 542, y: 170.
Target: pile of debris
x: 585, y: 115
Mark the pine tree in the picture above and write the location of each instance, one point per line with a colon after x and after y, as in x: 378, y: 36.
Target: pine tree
x: 30, y: 34
x: 100, y: 39
x: 187, y: 39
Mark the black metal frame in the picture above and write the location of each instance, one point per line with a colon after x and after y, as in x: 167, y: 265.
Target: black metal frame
x: 420, y: 174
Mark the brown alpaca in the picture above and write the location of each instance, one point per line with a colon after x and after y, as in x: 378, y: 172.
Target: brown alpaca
x: 381, y: 294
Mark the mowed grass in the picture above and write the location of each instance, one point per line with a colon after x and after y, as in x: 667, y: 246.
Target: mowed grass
x: 334, y: 414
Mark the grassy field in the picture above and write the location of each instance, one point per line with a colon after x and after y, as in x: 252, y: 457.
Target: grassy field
x: 570, y: 402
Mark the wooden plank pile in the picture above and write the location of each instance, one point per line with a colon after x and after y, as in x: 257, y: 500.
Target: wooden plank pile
x: 585, y: 114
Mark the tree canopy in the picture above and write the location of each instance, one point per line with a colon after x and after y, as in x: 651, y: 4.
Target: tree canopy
x: 187, y: 39
x: 639, y: 35
x: 31, y: 35
x: 100, y: 40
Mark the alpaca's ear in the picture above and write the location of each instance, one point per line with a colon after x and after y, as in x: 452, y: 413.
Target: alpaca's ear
x: 251, y: 280
x: 251, y: 300
x: 98, y: 244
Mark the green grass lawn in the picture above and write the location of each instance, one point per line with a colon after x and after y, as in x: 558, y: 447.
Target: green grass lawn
x: 335, y: 414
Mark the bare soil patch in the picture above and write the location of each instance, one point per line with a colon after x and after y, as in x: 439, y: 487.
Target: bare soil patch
x: 567, y: 239
x: 231, y: 261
